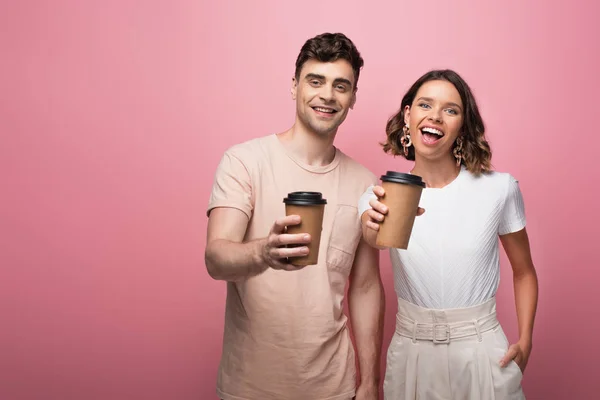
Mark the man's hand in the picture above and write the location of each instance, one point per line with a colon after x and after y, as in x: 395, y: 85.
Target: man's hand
x: 229, y: 258
x: 275, y: 251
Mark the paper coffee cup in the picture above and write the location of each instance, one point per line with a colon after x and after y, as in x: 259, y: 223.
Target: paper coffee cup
x: 310, y: 206
x: 402, y: 196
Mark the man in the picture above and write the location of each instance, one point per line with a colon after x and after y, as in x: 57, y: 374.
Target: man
x: 286, y: 336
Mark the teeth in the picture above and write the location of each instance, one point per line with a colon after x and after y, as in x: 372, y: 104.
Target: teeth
x: 326, y: 110
x: 433, y: 131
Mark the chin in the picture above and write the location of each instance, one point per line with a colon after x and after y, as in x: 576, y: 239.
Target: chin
x: 430, y: 154
x: 324, y: 130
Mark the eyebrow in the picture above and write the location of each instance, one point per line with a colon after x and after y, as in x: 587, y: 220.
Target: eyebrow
x: 321, y: 77
x: 314, y: 76
x: 343, y: 80
x: 431, y: 100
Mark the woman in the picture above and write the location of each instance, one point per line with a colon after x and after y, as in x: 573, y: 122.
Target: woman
x: 448, y: 342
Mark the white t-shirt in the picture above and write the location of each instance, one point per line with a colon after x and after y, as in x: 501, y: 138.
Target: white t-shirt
x: 452, y: 259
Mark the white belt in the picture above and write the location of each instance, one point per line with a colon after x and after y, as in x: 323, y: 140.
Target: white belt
x: 444, y: 332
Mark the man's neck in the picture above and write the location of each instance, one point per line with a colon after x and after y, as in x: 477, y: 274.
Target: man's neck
x: 310, y: 148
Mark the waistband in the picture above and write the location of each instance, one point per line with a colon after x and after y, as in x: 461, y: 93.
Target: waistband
x: 442, y: 326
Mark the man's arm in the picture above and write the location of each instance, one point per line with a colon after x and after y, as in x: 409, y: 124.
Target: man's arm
x: 228, y: 258
x: 366, y: 300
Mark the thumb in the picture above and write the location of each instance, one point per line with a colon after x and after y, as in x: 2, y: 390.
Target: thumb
x: 509, y: 356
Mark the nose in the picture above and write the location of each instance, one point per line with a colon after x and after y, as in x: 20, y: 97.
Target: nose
x: 435, y: 115
x: 327, y: 93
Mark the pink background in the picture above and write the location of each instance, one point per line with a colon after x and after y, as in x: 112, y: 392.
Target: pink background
x: 114, y: 114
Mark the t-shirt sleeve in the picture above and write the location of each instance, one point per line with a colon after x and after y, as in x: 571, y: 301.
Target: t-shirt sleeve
x: 513, y: 214
x: 232, y: 186
x: 365, y: 198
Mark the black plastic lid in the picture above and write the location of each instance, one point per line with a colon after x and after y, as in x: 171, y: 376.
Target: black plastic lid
x: 399, y: 177
x: 305, y: 199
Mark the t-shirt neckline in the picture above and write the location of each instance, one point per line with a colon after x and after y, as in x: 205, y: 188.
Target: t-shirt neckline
x: 322, y: 169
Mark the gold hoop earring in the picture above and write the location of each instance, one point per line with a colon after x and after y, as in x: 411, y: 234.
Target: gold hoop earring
x: 458, y: 151
x: 405, y: 140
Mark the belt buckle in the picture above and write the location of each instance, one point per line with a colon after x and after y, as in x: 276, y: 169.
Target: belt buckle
x: 446, y: 328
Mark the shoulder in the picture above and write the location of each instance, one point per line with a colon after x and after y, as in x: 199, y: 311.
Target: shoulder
x: 250, y: 155
x: 250, y: 149
x: 495, y: 181
x: 494, y: 185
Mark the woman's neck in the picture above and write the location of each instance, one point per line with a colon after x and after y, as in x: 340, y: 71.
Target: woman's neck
x: 436, y: 173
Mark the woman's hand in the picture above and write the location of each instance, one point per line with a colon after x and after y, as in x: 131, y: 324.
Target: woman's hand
x: 372, y: 218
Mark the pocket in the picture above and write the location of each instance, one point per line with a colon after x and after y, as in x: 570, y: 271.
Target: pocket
x: 517, y: 368
x: 343, y: 241
x: 507, y: 380
x: 401, y: 369
x: 505, y: 344
x: 395, y: 351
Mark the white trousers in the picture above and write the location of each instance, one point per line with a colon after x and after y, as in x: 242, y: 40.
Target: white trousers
x: 449, y: 355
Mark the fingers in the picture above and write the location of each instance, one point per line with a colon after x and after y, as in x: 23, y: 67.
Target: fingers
x: 372, y: 220
x: 278, y: 257
x: 382, y: 208
x: 375, y: 216
x: 281, y: 246
x: 379, y: 191
x: 378, y: 206
x: 509, y: 356
x: 286, y: 252
x: 285, y: 266
x: 372, y: 225
x: 289, y: 239
x: 281, y: 223
x: 285, y: 263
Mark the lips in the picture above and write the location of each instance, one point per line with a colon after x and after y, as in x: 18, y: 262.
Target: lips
x: 326, y: 111
x: 431, y: 135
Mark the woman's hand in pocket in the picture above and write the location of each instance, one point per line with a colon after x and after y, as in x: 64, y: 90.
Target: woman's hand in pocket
x: 519, y: 353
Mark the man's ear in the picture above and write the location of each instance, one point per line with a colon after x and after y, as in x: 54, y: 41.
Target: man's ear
x: 294, y: 88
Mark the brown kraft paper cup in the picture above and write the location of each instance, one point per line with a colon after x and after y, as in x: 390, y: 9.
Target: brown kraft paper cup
x: 310, y: 206
x: 402, y: 196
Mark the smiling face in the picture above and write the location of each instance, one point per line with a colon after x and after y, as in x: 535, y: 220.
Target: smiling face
x: 435, y: 119
x: 324, y: 92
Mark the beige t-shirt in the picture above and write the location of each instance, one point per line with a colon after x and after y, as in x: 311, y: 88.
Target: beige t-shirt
x: 285, y: 331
